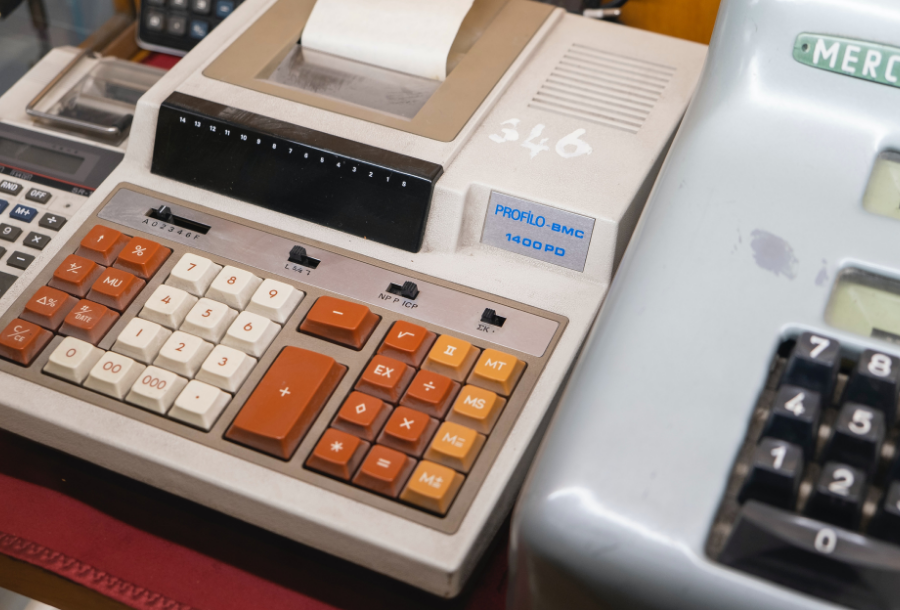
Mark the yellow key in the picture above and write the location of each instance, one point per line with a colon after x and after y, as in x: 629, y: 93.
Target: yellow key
x: 497, y: 372
x: 477, y: 408
x: 432, y: 487
x: 455, y: 446
x: 451, y: 357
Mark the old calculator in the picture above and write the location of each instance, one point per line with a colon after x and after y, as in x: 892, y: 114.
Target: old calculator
x: 339, y: 323
x: 730, y: 438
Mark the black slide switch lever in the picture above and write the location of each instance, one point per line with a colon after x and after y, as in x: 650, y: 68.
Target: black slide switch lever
x: 489, y: 316
x: 814, y: 557
x: 298, y: 255
x: 408, y: 290
x: 164, y: 213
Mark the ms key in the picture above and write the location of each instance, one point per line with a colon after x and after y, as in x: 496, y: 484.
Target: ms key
x: 816, y: 558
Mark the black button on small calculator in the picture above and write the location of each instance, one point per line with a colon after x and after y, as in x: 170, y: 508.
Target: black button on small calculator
x: 775, y: 473
x: 176, y: 26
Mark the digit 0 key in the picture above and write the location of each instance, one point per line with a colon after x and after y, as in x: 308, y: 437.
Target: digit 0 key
x: 278, y: 413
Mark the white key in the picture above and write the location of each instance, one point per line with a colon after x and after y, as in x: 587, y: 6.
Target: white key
x: 168, y: 306
x: 156, y: 389
x: 199, y: 405
x: 275, y: 300
x: 141, y: 340
x: 233, y: 286
x: 73, y: 360
x: 251, y: 333
x: 113, y: 375
x: 208, y: 319
x: 183, y: 353
x: 194, y: 274
x: 226, y: 368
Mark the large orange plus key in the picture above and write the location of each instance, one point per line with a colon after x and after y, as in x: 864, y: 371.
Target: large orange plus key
x: 279, y: 412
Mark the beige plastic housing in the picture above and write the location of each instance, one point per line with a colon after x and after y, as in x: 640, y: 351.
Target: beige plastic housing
x: 620, y: 91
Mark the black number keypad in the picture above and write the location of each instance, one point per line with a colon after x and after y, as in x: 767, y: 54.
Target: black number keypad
x: 813, y: 502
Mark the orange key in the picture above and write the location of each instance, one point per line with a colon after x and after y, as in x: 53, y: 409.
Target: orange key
x: 408, y: 431
x: 497, y: 371
x: 477, y: 408
x: 451, y: 357
x: 337, y: 454
x: 431, y: 393
x: 340, y: 321
x: 116, y: 289
x: 88, y: 321
x: 48, y: 307
x: 455, y: 446
x: 102, y: 245
x: 279, y: 412
x: 142, y: 257
x: 384, y: 471
x: 385, y: 378
x: 407, y: 343
x: 362, y: 415
x: 75, y: 275
x: 432, y: 487
x: 21, y: 341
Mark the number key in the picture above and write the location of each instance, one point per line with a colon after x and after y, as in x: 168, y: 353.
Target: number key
x: 795, y: 417
x: 193, y: 273
x: 182, y: 353
x: 275, y: 300
x: 814, y: 364
x: 156, y: 389
x: 838, y: 495
x: 9, y: 232
x: 226, y: 368
x: 875, y: 382
x: 113, y: 375
x: 775, y: 472
x: 856, y: 437
x: 886, y: 524
x: 251, y: 333
x: 208, y: 319
x: 168, y: 306
x: 233, y: 286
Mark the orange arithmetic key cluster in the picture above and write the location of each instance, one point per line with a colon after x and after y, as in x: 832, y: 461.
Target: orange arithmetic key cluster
x: 418, y: 417
x: 86, y: 294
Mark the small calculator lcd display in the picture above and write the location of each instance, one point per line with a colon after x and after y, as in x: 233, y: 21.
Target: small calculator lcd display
x: 865, y: 304
x: 883, y: 191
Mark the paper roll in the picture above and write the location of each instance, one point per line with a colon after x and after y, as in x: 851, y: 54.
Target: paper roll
x: 411, y: 36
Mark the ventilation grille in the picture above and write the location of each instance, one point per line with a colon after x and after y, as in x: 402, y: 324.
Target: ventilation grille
x: 604, y: 88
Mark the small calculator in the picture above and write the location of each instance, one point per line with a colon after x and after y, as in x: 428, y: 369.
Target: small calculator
x: 176, y: 26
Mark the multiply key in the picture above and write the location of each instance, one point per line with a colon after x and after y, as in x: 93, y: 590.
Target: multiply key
x: 76, y: 275
x: 279, y: 412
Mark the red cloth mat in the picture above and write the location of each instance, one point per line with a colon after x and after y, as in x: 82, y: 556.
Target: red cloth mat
x: 153, y: 551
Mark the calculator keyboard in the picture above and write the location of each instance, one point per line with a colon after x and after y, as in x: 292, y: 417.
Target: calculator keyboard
x: 30, y: 216
x: 814, y: 499
x: 181, y: 24
x: 362, y: 401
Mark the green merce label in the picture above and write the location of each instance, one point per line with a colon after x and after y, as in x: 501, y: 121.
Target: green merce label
x: 866, y: 60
